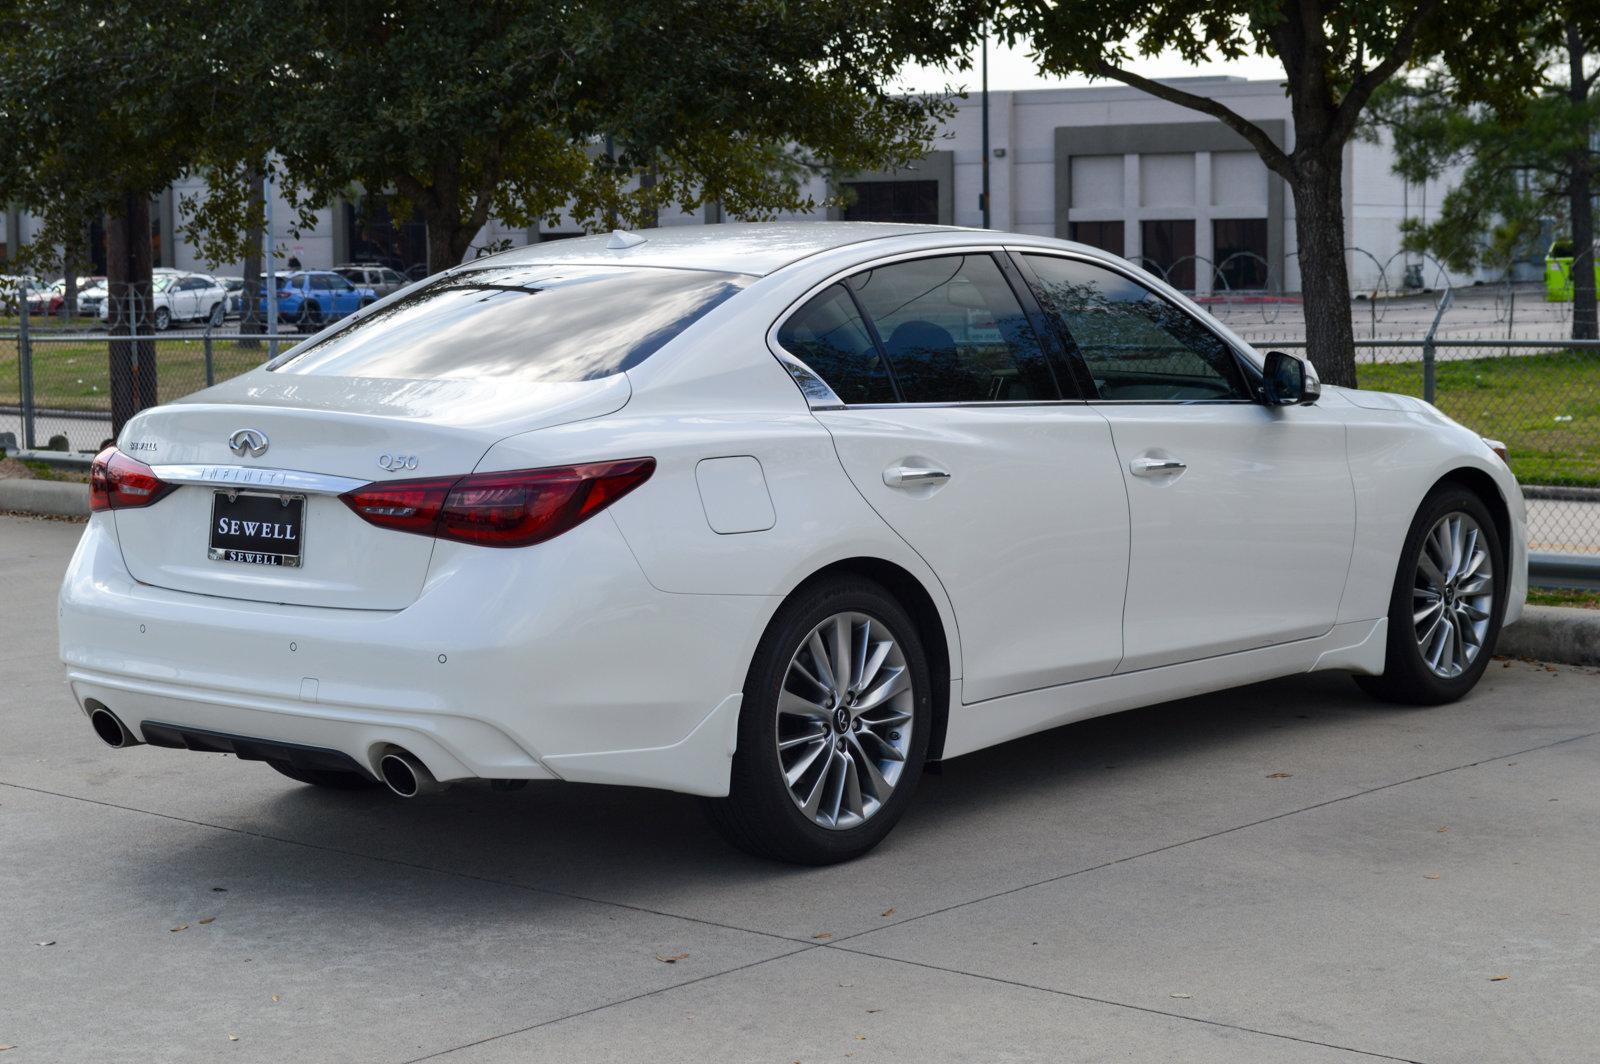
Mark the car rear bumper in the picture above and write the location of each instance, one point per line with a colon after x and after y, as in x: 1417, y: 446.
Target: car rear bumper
x: 555, y: 662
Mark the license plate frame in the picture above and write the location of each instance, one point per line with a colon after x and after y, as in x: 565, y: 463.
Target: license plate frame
x: 240, y: 547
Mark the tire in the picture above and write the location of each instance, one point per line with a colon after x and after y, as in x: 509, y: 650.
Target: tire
x: 1409, y: 676
x: 162, y: 319
x: 332, y: 779
x: 216, y: 316
x: 760, y: 814
x: 310, y: 314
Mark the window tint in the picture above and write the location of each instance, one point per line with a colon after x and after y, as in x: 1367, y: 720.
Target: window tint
x: 531, y: 322
x: 339, y: 284
x: 1136, y: 344
x: 954, y: 332
x: 390, y: 277
x: 828, y: 335
x: 321, y: 281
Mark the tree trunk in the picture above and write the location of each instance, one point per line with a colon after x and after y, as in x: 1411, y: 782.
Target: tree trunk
x: 448, y: 240
x: 250, y: 311
x: 128, y: 263
x: 1580, y: 190
x: 1318, y: 187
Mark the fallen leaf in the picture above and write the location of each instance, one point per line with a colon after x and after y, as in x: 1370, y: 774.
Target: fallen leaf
x: 206, y: 920
x: 871, y: 1011
x: 1443, y: 830
x: 181, y: 927
x: 233, y: 1038
x: 276, y: 998
x: 823, y: 936
x: 861, y: 1038
x: 4, y: 1048
x: 1183, y: 995
x: 888, y: 912
x: 1498, y: 978
x: 220, y: 890
x: 1279, y: 775
x: 1430, y: 875
x: 46, y: 942
x: 674, y: 959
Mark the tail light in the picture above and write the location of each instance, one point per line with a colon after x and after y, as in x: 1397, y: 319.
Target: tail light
x: 513, y: 509
x: 118, y: 482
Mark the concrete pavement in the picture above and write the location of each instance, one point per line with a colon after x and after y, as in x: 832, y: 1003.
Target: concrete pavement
x: 1289, y: 872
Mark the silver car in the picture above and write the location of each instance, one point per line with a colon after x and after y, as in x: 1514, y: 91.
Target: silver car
x: 381, y: 279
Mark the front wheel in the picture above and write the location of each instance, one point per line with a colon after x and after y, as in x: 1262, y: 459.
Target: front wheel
x: 163, y: 318
x: 1447, y: 604
x: 216, y: 316
x: 833, y: 731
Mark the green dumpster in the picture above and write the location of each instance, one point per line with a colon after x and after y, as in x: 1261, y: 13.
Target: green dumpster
x: 1558, y: 272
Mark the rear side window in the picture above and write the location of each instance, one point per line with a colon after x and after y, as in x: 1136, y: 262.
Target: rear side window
x: 954, y: 331
x: 1138, y: 346
x: 525, y: 323
x: 828, y: 335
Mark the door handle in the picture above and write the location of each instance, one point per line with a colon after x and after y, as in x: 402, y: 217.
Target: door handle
x: 910, y: 476
x: 1155, y: 467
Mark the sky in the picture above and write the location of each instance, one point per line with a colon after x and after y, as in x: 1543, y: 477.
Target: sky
x: 1012, y: 69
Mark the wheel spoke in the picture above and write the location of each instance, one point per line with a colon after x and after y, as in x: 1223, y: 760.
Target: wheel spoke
x: 792, y: 705
x: 802, y: 766
x: 852, y: 802
x: 1427, y: 611
x: 819, y: 658
x: 862, y: 641
x: 879, y: 786
x: 888, y: 748
x: 874, y: 662
x: 896, y: 683
x: 842, y: 672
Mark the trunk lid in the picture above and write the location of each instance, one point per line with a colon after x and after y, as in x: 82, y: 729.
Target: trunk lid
x: 323, y: 435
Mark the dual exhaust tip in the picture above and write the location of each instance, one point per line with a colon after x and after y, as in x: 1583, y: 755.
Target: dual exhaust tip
x: 406, y: 776
x: 399, y: 770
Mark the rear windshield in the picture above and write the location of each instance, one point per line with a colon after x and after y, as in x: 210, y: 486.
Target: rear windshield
x: 527, y: 322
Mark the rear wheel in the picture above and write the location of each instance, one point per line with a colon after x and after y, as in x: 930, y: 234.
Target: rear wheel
x: 163, y: 318
x: 1447, y: 603
x: 833, y: 732
x: 324, y: 777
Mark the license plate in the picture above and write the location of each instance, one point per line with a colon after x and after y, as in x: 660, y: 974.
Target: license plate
x: 256, y: 528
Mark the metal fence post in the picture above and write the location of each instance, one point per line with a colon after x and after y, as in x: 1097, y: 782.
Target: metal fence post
x: 1428, y: 345
x: 211, y: 369
x: 25, y: 366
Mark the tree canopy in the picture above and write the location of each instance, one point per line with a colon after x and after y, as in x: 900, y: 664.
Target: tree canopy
x: 1336, y: 54
x: 1520, y: 164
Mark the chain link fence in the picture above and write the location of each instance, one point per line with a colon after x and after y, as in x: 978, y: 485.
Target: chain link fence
x: 1496, y: 357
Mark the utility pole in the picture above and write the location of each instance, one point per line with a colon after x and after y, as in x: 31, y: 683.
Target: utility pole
x: 983, y: 199
x: 269, y: 194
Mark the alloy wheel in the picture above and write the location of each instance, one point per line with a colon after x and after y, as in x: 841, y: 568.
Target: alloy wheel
x: 1453, y: 594
x: 844, y: 720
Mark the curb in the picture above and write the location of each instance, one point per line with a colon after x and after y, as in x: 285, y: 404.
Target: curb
x: 1563, y: 634
x: 49, y: 497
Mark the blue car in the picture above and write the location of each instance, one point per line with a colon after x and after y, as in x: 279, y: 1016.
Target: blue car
x: 313, y: 297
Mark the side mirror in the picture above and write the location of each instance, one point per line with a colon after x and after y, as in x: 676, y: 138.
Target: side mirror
x: 1288, y: 381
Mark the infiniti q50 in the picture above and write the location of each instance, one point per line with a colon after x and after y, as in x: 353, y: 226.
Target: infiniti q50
x: 773, y: 514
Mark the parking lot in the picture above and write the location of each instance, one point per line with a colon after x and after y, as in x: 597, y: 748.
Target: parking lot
x: 1285, y: 873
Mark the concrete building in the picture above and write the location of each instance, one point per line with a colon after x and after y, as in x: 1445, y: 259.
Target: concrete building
x: 1162, y: 185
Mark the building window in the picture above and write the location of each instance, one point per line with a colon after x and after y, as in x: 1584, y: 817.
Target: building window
x: 1107, y: 236
x: 1168, y: 251
x: 1239, y: 248
x: 916, y: 202
x: 375, y: 237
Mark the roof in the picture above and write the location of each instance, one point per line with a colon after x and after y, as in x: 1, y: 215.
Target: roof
x: 734, y: 247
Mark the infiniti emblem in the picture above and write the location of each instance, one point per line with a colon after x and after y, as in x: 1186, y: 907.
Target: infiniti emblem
x: 248, y: 441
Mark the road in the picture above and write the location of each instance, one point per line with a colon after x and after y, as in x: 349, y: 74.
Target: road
x: 1287, y: 873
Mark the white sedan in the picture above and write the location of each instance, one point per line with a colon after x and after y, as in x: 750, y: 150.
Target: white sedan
x: 176, y: 297
x: 772, y: 514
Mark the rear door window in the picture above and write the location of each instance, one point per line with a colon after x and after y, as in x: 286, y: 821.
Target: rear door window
x: 953, y: 331
x: 551, y: 322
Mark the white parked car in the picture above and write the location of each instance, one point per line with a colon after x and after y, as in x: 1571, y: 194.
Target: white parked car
x: 773, y: 514
x: 176, y: 296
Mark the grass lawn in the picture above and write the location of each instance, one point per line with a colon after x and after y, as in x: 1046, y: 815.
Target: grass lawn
x: 1545, y: 407
x: 76, y: 376
x: 1560, y: 596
